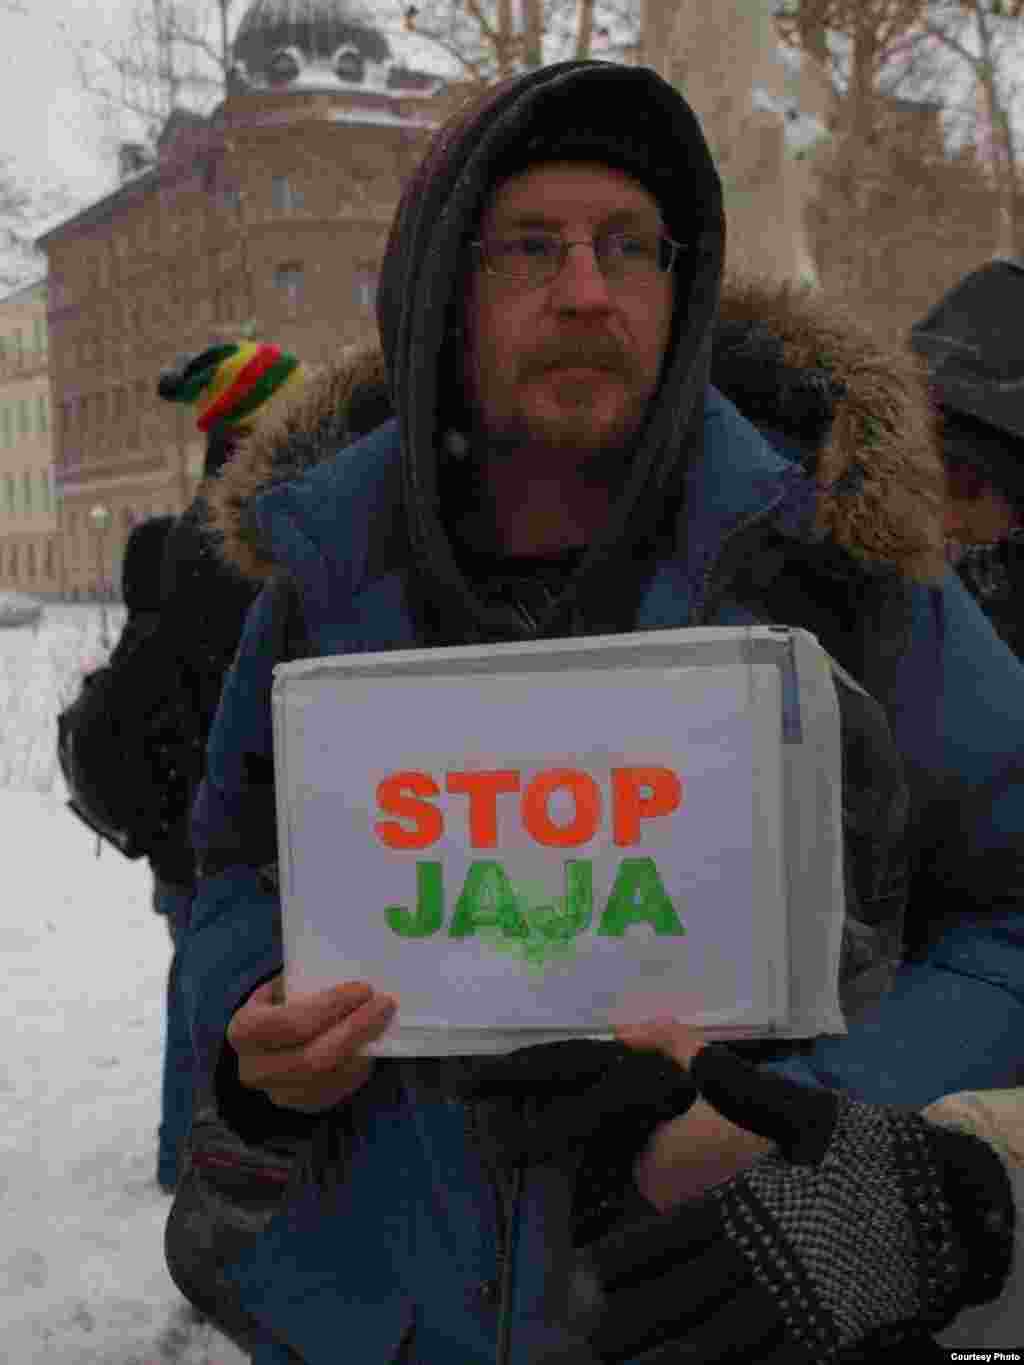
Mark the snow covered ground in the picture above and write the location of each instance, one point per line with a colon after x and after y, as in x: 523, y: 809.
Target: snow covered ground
x: 82, y: 1275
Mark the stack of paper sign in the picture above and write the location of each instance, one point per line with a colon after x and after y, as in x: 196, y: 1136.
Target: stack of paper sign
x: 533, y: 842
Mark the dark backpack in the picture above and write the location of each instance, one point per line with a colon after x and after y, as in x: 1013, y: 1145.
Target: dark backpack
x: 130, y: 746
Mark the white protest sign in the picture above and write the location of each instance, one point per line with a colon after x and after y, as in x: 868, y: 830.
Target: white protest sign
x: 533, y: 842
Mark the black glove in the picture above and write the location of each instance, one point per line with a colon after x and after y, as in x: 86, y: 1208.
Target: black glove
x: 585, y: 1105
x: 867, y: 1217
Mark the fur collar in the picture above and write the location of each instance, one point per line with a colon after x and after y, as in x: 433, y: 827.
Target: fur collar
x: 785, y: 356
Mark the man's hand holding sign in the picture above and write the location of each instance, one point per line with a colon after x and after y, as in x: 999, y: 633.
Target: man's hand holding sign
x: 307, y: 1053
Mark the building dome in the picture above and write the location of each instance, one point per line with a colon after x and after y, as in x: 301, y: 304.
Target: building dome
x: 281, y: 43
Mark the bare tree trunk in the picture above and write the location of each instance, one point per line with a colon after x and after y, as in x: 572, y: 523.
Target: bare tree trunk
x: 585, y: 31
x: 225, y: 46
x: 505, y: 53
x: 813, y: 30
x: 855, y: 154
x: 169, y: 78
x: 1003, y: 150
x: 533, y: 33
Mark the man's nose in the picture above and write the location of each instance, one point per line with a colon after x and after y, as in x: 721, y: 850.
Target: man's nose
x: 580, y: 286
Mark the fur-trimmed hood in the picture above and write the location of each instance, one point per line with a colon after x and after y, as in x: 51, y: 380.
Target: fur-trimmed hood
x: 858, y: 413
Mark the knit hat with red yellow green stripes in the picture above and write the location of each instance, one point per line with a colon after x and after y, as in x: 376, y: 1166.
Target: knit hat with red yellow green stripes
x: 230, y: 382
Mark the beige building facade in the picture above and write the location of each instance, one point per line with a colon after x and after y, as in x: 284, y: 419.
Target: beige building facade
x: 30, y: 559
x: 268, y: 219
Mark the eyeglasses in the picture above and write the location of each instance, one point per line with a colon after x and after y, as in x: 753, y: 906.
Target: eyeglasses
x: 538, y: 257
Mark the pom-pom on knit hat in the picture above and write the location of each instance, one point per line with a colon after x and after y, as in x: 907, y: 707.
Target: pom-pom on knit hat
x: 230, y: 382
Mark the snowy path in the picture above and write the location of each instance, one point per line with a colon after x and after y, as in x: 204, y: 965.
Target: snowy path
x: 82, y: 1275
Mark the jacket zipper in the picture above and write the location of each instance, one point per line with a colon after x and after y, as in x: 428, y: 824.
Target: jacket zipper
x: 508, y: 1202
x: 508, y: 1197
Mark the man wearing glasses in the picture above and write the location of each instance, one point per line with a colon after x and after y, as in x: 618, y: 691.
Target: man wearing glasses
x: 558, y: 465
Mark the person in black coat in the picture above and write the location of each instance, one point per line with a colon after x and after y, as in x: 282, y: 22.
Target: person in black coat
x: 141, y: 579
x: 203, y: 604
x: 142, y: 591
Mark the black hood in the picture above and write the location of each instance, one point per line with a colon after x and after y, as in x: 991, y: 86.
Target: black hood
x: 142, y: 564
x: 419, y: 306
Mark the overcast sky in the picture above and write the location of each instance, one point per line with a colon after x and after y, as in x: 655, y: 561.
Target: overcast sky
x: 47, y: 127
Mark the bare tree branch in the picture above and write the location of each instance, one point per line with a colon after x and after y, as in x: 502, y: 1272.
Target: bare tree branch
x: 167, y: 60
x: 947, y: 39
x: 22, y: 212
x: 495, y: 37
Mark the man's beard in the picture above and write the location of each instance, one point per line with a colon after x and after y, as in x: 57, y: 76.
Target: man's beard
x: 569, y: 436
x: 598, y: 454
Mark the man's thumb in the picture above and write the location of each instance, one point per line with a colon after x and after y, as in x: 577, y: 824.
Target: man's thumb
x: 799, y: 1120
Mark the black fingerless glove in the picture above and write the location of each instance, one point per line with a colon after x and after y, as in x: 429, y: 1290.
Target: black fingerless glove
x: 586, y: 1105
x: 867, y: 1217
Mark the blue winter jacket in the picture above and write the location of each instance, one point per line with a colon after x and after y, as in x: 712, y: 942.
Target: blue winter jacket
x: 418, y: 1253
x: 411, y: 1231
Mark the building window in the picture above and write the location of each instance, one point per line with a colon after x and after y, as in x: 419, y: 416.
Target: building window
x: 42, y: 413
x: 30, y: 561
x: 230, y: 299
x: 45, y: 500
x: 49, y: 559
x: 288, y: 278
x: 366, y: 288
x: 19, y: 343
x: 24, y: 420
x: 349, y: 64
x: 14, y: 563
x: 284, y: 66
x: 26, y: 490
x: 39, y: 335
x: 6, y: 424
x: 284, y: 196
x: 141, y: 406
x: 10, y: 492
x: 100, y: 408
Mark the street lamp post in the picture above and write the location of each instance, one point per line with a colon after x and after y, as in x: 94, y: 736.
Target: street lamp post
x: 99, y: 519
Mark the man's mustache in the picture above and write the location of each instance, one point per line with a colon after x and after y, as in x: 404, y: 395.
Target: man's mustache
x: 597, y: 353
